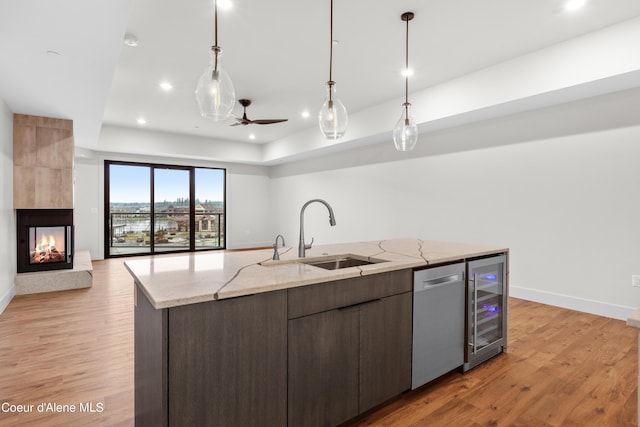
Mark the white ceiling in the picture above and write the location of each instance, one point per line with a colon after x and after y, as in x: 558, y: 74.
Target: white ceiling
x: 276, y: 53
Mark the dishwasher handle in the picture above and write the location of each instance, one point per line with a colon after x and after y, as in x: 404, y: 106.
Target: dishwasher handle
x: 441, y: 281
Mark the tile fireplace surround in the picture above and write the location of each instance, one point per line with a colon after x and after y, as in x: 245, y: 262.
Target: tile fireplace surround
x: 42, y: 163
x: 43, y: 153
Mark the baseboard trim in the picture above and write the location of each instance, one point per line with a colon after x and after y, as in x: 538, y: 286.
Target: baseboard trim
x: 7, y: 297
x: 579, y: 304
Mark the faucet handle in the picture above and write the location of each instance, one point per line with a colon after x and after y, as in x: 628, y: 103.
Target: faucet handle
x: 309, y: 245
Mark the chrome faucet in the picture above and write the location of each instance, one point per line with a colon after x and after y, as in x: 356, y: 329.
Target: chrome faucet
x: 276, y: 255
x: 302, y: 246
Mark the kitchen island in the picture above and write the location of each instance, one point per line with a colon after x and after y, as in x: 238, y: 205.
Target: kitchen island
x: 236, y: 338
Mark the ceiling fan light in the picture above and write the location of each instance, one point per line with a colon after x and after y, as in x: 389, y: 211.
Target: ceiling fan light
x: 215, y: 93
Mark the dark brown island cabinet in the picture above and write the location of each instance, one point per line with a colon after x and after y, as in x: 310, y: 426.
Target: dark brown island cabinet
x: 314, y: 355
x: 349, y: 347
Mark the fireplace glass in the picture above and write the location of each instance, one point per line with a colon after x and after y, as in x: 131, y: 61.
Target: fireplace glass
x: 45, y: 239
x: 48, y: 244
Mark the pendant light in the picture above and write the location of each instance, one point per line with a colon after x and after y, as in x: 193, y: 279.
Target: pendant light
x: 333, y: 118
x: 215, y: 94
x: 405, y: 133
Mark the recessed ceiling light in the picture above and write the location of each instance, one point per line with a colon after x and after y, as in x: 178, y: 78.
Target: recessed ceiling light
x: 407, y: 73
x: 166, y: 86
x: 130, y: 40
x: 305, y: 114
x: 573, y: 5
x: 225, y: 4
x: 252, y: 136
x: 142, y: 121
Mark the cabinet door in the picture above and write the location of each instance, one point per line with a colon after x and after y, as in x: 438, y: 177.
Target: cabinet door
x: 385, y: 349
x: 323, y: 368
x: 227, y: 362
x: 150, y: 363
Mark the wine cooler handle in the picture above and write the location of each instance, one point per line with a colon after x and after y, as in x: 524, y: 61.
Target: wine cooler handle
x: 474, y: 312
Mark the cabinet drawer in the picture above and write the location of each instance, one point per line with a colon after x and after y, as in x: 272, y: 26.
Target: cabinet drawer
x: 306, y: 300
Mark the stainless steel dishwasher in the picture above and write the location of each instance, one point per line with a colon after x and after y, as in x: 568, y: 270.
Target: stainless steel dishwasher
x: 438, y: 322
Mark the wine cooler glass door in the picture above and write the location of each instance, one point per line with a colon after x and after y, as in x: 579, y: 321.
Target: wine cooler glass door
x: 486, y: 297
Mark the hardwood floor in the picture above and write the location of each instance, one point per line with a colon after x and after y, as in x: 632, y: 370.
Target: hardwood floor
x: 71, y: 347
x: 562, y: 368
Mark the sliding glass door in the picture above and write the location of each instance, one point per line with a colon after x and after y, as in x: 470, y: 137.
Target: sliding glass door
x: 159, y: 208
x: 128, y: 218
x: 171, y: 210
x: 209, y: 210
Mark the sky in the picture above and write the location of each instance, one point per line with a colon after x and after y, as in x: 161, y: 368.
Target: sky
x: 132, y: 183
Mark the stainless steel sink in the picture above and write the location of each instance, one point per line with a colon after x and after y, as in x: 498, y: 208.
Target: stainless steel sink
x: 328, y: 262
x: 339, y: 262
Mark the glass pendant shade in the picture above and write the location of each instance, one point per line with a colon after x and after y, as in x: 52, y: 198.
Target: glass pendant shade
x: 333, y: 118
x: 215, y: 94
x: 405, y: 132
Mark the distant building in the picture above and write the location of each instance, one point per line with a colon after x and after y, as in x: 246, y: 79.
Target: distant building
x: 206, y: 223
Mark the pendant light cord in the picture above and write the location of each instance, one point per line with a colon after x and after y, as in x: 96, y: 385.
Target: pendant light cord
x: 331, y: 51
x: 406, y: 17
x: 215, y: 46
x: 406, y: 67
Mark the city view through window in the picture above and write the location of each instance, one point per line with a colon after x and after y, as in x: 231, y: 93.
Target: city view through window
x: 158, y: 209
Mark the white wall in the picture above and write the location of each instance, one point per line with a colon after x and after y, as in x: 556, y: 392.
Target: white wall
x: 250, y: 222
x: 556, y: 187
x: 7, y: 216
x: 247, y: 200
x: 88, y: 206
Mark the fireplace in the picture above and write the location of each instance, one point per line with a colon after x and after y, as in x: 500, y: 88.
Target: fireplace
x: 45, y: 239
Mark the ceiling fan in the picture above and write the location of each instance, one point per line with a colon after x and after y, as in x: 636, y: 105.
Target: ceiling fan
x: 245, y: 121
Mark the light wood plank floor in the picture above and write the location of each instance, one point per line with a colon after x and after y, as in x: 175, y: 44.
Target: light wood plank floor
x: 562, y: 368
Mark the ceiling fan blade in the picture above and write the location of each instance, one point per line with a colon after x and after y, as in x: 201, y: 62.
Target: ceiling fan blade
x: 244, y: 120
x: 268, y: 121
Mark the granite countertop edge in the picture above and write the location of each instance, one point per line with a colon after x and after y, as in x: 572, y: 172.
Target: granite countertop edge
x: 200, y: 277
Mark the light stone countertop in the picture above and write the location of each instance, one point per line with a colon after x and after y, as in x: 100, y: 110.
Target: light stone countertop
x: 175, y: 280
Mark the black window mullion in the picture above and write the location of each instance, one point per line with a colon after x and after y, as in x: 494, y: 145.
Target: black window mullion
x: 192, y: 209
x: 152, y: 211
x: 107, y: 211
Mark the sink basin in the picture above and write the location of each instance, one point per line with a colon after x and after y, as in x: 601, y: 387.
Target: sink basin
x: 342, y: 261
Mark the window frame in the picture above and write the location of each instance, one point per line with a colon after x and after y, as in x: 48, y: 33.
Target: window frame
x: 192, y: 207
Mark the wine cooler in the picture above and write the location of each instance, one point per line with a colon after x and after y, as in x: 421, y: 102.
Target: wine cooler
x: 486, y: 319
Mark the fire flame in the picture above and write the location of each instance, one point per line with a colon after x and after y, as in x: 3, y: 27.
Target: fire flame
x: 46, y: 244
